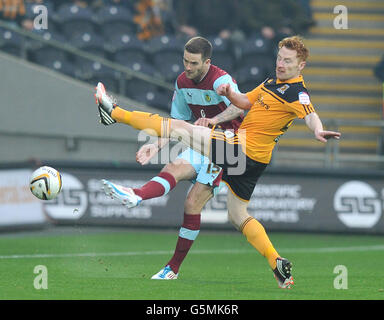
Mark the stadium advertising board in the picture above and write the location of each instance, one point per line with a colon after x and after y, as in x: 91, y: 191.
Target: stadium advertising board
x: 300, y: 204
x: 82, y: 201
x: 18, y: 207
x: 281, y: 201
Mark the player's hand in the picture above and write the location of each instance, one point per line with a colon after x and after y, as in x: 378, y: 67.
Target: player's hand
x: 205, y: 122
x: 146, y: 153
x: 323, y: 136
x: 224, y: 90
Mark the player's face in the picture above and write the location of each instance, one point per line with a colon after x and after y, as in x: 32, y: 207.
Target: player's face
x: 288, y: 66
x: 194, y: 66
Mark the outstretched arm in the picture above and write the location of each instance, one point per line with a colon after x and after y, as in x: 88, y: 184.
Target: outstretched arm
x: 232, y: 112
x: 313, y: 122
x: 239, y: 99
x: 148, y: 151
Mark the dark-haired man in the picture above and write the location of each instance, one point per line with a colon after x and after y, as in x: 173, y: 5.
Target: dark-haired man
x: 194, y: 97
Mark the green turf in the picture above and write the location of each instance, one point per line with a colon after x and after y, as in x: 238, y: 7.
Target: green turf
x: 220, y: 266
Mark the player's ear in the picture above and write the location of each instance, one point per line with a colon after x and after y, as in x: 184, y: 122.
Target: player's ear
x: 208, y: 61
x: 302, y: 65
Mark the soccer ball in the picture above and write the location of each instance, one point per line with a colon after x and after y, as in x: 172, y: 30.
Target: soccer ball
x: 45, y: 183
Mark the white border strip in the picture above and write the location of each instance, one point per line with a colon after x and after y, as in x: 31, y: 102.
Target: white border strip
x: 235, y: 251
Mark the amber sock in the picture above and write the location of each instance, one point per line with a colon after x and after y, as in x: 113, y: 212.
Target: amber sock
x: 258, y: 238
x: 150, y: 122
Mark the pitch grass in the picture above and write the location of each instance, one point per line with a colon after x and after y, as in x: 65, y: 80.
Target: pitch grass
x: 118, y: 264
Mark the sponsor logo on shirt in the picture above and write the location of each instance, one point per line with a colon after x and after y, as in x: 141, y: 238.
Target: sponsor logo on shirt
x: 304, y: 98
x: 283, y: 89
x: 260, y: 100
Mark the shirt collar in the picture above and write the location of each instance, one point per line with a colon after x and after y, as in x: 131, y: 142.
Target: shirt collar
x: 293, y: 80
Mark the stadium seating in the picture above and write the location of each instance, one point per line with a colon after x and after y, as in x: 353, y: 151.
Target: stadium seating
x: 89, y: 42
x: 142, y: 67
x: 93, y: 72
x: 222, y: 55
x: 169, y: 65
x: 64, y: 66
x: 146, y: 92
x: 255, y: 48
x: 141, y: 90
x: 124, y: 41
x: 41, y: 52
x: 154, y: 98
x: 73, y: 19
x: 125, y: 49
x: 142, y: 86
x: 47, y: 54
x: 250, y: 76
x: 11, y: 42
x: 113, y: 19
x: 163, y: 100
x: 128, y: 57
x: 167, y: 53
x: 110, y: 32
x: 30, y: 7
x: 165, y: 43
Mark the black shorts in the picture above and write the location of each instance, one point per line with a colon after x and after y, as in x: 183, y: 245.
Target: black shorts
x: 240, y: 172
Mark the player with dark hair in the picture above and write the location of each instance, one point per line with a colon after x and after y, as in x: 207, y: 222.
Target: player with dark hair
x: 194, y: 97
x: 273, y: 105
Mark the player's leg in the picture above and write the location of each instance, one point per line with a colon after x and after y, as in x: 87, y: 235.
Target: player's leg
x: 258, y: 238
x: 196, y: 137
x: 238, y: 215
x: 198, y: 196
x: 184, y: 167
x: 207, y: 182
x: 158, y: 186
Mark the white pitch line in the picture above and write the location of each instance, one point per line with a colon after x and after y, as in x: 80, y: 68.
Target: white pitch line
x: 232, y: 251
x: 378, y: 247
x: 111, y: 254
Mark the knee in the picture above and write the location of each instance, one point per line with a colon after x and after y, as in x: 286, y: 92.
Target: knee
x: 234, y: 222
x: 237, y: 217
x: 196, y: 201
x: 172, y: 169
x: 179, y: 171
x: 192, y: 204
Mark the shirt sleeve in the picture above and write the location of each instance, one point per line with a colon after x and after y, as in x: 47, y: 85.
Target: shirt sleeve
x: 180, y: 109
x: 252, y: 95
x: 302, y: 106
x: 222, y: 80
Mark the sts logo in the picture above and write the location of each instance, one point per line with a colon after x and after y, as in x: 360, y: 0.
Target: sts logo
x: 71, y: 203
x: 357, y: 205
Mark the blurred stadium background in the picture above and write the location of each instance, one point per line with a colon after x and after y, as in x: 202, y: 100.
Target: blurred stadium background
x: 48, y: 116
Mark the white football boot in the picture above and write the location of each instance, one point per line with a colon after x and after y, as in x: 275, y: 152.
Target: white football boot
x: 165, y: 274
x: 105, y: 105
x: 125, y: 195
